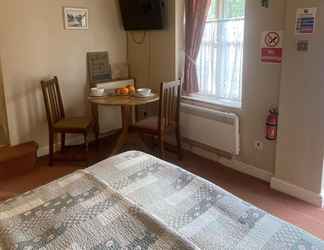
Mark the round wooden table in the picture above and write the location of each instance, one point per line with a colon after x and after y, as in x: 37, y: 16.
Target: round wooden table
x: 126, y: 103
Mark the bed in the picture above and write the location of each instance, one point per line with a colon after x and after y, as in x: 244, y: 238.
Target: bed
x: 136, y: 201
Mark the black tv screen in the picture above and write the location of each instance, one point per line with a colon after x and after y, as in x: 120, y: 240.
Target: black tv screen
x: 142, y: 14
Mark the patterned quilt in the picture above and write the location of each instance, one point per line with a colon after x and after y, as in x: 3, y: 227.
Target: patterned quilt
x: 136, y: 201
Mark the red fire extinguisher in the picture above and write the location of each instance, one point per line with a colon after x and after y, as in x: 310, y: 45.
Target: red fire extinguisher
x: 272, y: 124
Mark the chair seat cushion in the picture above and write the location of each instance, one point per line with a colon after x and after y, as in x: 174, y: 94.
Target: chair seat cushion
x: 74, y: 123
x: 150, y: 123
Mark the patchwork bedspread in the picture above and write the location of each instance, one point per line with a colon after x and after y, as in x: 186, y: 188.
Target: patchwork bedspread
x: 136, y: 201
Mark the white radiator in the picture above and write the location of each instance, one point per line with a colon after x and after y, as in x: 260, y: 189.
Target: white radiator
x: 212, y: 128
x: 109, y: 116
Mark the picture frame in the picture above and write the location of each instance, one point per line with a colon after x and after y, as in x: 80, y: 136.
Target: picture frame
x: 76, y: 18
x: 99, y: 68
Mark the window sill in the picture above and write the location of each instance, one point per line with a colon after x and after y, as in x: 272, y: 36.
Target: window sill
x: 218, y: 103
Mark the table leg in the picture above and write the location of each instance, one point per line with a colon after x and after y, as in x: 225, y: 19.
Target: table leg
x: 95, y: 115
x: 123, y: 138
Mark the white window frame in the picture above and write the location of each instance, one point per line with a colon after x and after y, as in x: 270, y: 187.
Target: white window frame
x: 211, y: 99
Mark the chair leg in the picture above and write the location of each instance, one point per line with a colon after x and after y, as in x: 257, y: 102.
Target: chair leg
x: 162, y: 150
x: 179, y: 146
x: 86, y: 144
x: 51, y: 148
x: 63, y: 137
x: 153, y: 142
x: 96, y: 124
x: 141, y: 136
x: 96, y: 132
x: 142, y: 144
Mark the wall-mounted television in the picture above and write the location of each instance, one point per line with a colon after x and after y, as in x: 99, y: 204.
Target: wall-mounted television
x: 142, y: 14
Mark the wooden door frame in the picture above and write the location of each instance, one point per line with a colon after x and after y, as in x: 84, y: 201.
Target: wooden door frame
x: 3, y: 113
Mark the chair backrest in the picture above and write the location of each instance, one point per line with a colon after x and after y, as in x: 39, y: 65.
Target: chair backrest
x: 169, y: 110
x: 53, y: 101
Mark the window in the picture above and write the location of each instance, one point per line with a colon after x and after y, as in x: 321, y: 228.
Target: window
x: 220, y: 59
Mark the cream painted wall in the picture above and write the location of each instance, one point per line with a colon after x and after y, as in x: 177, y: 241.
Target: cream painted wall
x: 301, y: 132
x: 153, y: 61
x: 261, y: 82
x: 34, y: 45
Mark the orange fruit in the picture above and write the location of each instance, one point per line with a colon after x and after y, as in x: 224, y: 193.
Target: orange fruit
x: 124, y: 91
x: 131, y: 89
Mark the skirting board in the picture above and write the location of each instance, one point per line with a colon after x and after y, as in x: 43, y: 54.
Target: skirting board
x: 247, y: 169
x: 231, y: 163
x: 73, y: 140
x: 297, y: 192
x: 43, y: 151
x: 276, y: 184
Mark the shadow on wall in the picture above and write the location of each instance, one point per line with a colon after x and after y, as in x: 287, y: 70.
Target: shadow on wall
x: 4, y: 133
x: 27, y: 110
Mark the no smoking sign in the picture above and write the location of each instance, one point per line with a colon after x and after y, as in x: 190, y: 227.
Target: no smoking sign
x: 272, y: 39
x: 271, y: 47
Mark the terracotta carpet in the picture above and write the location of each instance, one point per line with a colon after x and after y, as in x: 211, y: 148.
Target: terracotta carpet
x: 247, y: 188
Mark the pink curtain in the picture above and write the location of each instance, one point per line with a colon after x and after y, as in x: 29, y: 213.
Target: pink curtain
x: 196, y: 15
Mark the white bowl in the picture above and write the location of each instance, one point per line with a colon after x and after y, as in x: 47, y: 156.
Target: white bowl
x: 144, y: 91
x: 97, y: 91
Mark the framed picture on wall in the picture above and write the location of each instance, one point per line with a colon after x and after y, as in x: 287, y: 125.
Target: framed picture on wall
x: 76, y: 18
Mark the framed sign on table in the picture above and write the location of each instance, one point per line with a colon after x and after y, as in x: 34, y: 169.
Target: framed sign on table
x: 99, y: 69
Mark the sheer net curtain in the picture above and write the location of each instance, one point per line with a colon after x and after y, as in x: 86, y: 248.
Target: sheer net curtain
x: 220, y: 59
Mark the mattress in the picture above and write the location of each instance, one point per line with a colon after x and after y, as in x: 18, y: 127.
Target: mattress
x: 136, y: 201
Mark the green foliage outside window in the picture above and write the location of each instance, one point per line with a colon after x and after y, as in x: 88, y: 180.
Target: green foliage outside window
x: 230, y: 9
x: 213, y: 10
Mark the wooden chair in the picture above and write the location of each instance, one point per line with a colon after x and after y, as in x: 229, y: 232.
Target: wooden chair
x: 168, y: 119
x: 57, y: 122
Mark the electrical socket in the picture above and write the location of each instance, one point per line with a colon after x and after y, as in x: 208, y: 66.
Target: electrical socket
x: 258, y: 145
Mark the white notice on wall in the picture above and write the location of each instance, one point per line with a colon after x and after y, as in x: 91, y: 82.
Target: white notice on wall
x: 305, y: 21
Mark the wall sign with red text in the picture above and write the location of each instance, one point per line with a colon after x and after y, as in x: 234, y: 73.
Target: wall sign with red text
x: 271, y: 47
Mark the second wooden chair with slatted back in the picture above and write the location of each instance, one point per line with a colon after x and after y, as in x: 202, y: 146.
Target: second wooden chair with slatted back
x: 58, y: 123
x: 168, y: 119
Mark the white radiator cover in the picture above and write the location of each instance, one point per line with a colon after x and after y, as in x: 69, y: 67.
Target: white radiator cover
x: 109, y: 116
x: 210, y: 127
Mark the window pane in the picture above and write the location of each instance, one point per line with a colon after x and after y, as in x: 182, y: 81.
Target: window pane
x: 220, y: 60
x: 233, y: 8
x: 213, y: 10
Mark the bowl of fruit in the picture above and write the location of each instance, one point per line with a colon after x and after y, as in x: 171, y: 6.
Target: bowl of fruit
x: 128, y: 90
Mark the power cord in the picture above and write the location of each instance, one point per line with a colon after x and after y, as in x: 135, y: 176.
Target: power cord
x: 138, y: 42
